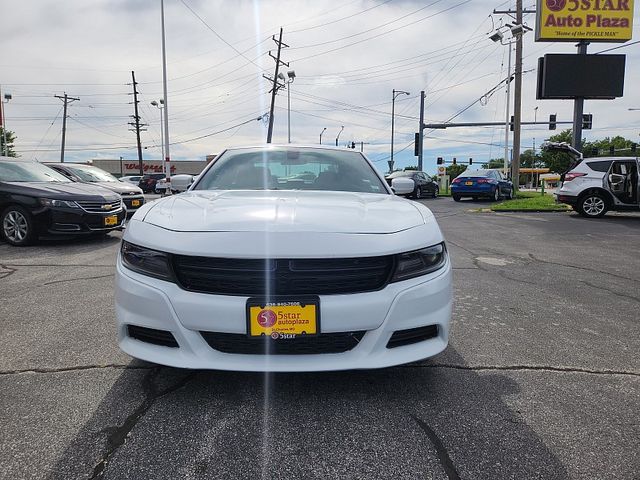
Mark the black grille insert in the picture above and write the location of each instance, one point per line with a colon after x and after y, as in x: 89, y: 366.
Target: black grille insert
x: 258, y: 277
x: 151, y: 335
x: 412, y: 335
x: 301, y: 345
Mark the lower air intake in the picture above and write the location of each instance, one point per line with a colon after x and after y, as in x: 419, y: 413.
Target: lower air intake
x: 151, y: 335
x: 401, y: 338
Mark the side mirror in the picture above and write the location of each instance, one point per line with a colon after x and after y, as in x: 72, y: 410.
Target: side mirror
x: 402, y: 186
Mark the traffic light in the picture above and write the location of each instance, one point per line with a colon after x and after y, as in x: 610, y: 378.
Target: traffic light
x: 353, y: 145
x: 440, y: 161
x: 612, y: 150
x: 511, y: 123
x: 634, y: 148
x: 416, y: 145
x: 455, y: 162
x: 471, y: 161
x: 587, y: 121
x: 552, y: 121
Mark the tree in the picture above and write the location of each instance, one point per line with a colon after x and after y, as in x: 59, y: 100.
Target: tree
x: 494, y: 163
x: 454, y: 170
x: 11, y: 138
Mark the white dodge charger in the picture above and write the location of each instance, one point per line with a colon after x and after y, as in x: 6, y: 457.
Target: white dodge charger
x: 283, y: 258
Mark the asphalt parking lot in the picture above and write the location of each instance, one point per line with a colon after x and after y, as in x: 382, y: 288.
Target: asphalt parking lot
x: 541, y: 378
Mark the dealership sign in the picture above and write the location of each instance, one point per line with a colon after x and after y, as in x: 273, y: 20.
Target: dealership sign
x: 592, y: 20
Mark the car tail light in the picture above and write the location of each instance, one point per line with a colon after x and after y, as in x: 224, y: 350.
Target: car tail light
x: 483, y: 180
x: 571, y: 175
x: 456, y: 180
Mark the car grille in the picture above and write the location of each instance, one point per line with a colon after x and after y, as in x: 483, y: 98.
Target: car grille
x: 100, y: 207
x: 253, y: 277
x: 301, y: 345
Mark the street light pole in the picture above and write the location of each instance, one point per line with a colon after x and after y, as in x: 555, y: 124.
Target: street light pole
x: 167, y: 158
x: 323, y: 130
x: 341, y: 129
x: 292, y: 75
x: 507, y: 119
x: 160, y: 105
x: 393, y: 116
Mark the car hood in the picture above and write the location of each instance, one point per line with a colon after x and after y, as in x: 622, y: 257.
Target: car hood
x: 64, y: 191
x: 120, y: 188
x: 283, y: 211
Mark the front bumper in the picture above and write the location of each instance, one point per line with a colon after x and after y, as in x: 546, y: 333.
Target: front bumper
x: 147, y: 302
x: 65, y: 221
x: 130, y: 200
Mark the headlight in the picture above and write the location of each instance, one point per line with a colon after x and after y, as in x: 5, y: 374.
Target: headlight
x: 48, y: 202
x: 146, y: 261
x: 419, y: 262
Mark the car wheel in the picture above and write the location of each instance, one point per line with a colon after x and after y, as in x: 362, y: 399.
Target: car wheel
x: 592, y: 205
x: 435, y: 193
x: 17, y: 226
x: 496, y: 194
x: 456, y: 198
x: 510, y: 194
x: 418, y: 192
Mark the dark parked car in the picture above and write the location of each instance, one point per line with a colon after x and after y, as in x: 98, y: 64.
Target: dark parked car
x: 79, y: 172
x: 481, y: 183
x: 424, y: 184
x: 148, y: 182
x: 36, y: 200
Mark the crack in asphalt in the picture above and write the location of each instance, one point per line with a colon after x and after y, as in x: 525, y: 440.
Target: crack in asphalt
x: 501, y: 273
x: 77, y: 368
x: 516, y: 368
x: 118, y: 435
x: 5, y: 271
x: 613, y: 292
x: 592, y: 270
x: 441, y: 451
x: 80, y: 278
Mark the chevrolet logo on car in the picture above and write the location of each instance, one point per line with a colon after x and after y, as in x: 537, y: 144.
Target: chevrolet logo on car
x: 107, y: 206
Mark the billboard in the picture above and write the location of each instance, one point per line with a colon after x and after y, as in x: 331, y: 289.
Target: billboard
x: 568, y: 76
x: 592, y: 20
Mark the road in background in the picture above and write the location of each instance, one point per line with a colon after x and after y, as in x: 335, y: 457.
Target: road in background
x: 541, y: 379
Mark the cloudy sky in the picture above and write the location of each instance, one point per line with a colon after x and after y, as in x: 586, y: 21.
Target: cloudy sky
x: 348, y: 56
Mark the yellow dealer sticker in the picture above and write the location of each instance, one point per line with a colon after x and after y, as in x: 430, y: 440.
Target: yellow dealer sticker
x: 592, y: 20
x: 283, y: 318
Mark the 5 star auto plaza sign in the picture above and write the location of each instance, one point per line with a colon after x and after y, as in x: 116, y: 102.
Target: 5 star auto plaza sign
x: 591, y: 20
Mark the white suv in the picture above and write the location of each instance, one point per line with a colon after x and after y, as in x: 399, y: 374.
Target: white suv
x: 596, y: 185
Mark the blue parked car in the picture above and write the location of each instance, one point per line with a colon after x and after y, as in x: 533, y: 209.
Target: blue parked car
x: 481, y: 183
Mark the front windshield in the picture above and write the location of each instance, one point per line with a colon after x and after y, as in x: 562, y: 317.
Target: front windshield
x: 29, y: 172
x: 87, y: 173
x: 291, y: 169
x: 401, y: 174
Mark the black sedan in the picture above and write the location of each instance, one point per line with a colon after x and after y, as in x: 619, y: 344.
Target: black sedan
x: 36, y: 200
x: 424, y: 184
x: 79, y: 172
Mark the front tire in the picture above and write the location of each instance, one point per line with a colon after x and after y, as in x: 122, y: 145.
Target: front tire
x: 418, y: 192
x: 456, y: 198
x: 592, y: 205
x: 435, y: 193
x: 17, y: 226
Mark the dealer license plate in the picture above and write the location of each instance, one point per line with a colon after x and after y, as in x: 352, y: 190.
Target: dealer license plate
x: 468, y: 183
x: 135, y: 203
x: 110, y: 220
x: 283, y: 318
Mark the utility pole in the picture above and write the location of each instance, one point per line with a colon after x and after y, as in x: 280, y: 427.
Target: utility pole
x: 421, y: 131
x: 276, y: 85
x: 66, y: 99
x: 136, y: 123
x: 517, y: 108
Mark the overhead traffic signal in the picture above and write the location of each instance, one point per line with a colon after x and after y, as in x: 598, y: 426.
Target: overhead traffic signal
x: 455, y: 162
x: 634, y: 148
x: 440, y: 161
x: 552, y: 121
x: 471, y: 161
x: 416, y: 145
x: 511, y: 123
x: 587, y: 121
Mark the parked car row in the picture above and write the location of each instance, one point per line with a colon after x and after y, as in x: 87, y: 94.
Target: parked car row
x: 37, y: 200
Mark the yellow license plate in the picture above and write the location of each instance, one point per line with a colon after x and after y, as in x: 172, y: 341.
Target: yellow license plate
x: 135, y: 203
x: 283, y: 319
x: 468, y: 183
x: 111, y: 220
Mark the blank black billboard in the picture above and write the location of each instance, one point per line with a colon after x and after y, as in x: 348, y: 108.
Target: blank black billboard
x: 566, y: 76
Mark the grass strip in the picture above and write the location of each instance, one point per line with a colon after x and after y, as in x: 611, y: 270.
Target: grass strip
x: 530, y: 202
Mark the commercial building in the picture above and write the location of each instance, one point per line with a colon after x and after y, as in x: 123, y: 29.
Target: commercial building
x: 121, y: 167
